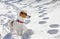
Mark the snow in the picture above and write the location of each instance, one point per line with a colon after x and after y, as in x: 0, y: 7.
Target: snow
x: 9, y: 10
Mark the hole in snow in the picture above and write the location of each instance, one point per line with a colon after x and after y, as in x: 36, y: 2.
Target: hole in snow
x: 53, y: 31
x: 54, y: 25
x: 42, y: 22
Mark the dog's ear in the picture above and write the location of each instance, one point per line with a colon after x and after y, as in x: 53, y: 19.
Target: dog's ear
x: 23, y: 13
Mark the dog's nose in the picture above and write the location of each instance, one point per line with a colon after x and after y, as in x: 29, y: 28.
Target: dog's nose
x: 29, y: 16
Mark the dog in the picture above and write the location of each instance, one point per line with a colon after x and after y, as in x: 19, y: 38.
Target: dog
x: 17, y: 26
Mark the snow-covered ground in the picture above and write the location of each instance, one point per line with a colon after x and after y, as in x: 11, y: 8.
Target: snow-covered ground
x: 44, y: 21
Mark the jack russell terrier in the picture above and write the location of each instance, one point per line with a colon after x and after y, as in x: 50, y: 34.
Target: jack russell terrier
x: 17, y: 26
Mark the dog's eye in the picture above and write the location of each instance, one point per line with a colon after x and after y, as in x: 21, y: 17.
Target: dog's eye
x: 26, y: 14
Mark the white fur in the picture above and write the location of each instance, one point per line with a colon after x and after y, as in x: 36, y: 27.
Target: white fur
x: 17, y: 27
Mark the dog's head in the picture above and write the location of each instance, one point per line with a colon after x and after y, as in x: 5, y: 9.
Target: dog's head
x: 23, y: 14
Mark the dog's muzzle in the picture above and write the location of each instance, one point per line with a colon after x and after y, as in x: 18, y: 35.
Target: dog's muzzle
x: 28, y: 16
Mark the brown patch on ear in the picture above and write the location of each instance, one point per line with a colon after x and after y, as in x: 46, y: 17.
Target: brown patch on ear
x: 23, y: 14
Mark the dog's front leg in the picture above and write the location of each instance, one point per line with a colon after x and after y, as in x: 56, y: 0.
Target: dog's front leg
x: 20, y: 31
